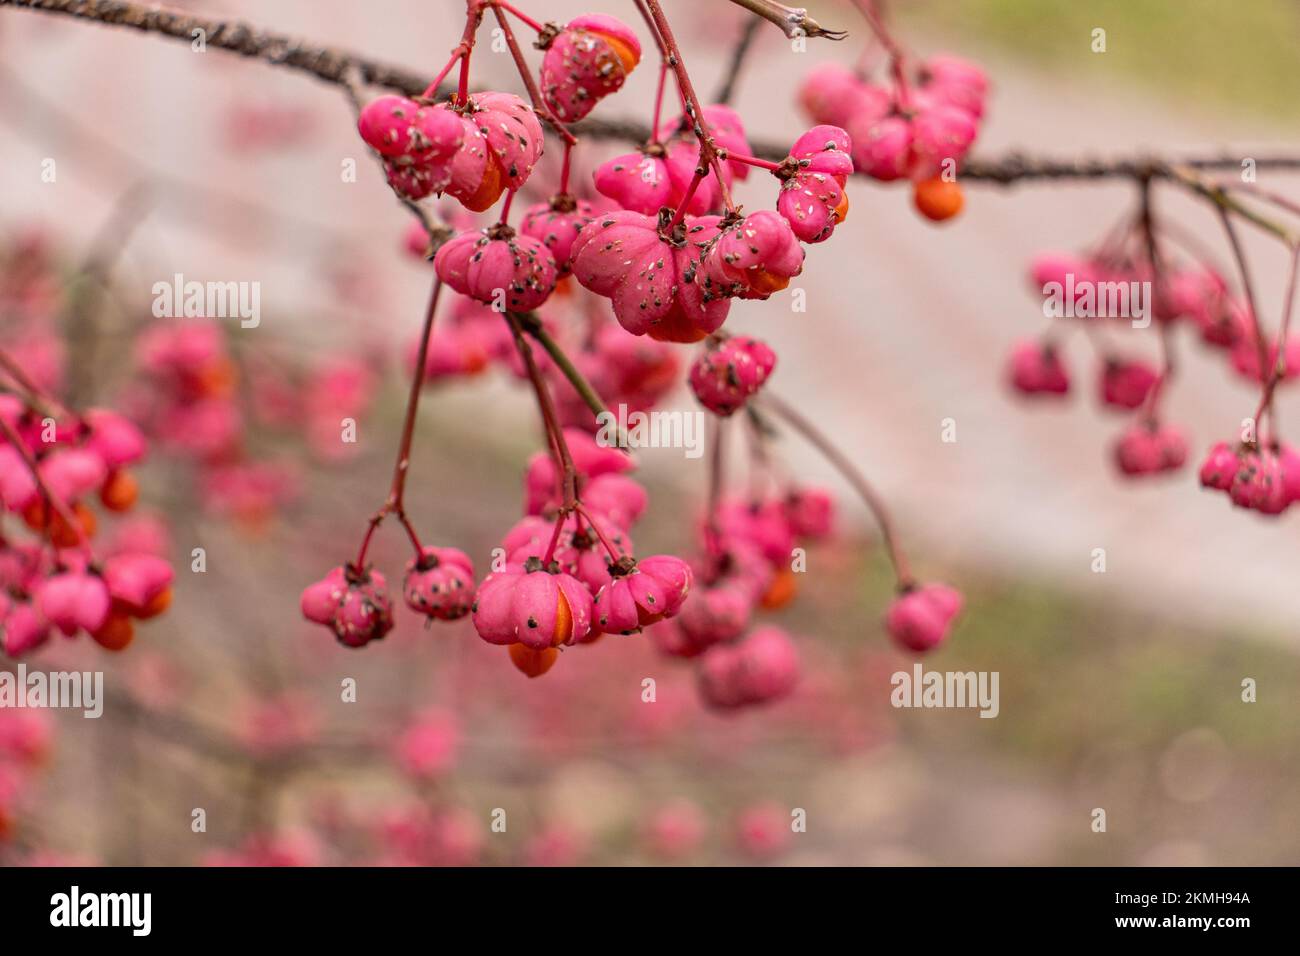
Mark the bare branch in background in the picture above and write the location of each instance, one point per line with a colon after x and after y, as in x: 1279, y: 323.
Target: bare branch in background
x: 727, y: 87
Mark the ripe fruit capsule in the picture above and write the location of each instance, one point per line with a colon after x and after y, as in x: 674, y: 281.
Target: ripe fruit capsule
x: 938, y: 199
x: 120, y: 491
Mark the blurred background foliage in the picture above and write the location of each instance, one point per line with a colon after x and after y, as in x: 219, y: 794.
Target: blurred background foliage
x: 1239, y: 55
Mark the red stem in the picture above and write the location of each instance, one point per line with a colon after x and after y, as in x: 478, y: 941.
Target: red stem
x: 473, y: 18
x: 537, y: 27
x: 401, y: 467
x: 897, y: 56
x: 505, y: 207
x: 432, y: 89
x: 560, y: 518
x: 698, y: 178
x: 526, y: 75
x: 564, y: 169
x: 690, y: 100
x: 659, y: 101
x: 754, y: 161
x: 600, y: 535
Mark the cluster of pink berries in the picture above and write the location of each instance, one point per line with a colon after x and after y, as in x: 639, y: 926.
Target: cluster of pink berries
x: 1261, y: 477
x: 50, y: 469
x: 667, y: 262
x: 187, y: 398
x: 1258, y: 472
x: 747, y: 550
x: 671, y: 274
x: 354, y: 603
x: 727, y: 373
x: 569, y: 575
x: 667, y: 274
x: 474, y: 152
x: 663, y: 246
x: 917, y: 128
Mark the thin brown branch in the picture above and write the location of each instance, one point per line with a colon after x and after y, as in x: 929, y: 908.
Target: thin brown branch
x: 325, y: 63
x: 335, y: 66
x: 727, y: 88
x: 800, y: 423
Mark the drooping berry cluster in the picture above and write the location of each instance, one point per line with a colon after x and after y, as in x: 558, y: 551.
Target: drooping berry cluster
x: 918, y: 126
x: 658, y: 249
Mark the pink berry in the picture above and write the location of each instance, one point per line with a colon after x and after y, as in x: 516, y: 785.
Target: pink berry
x: 957, y: 82
x: 882, y: 147
x: 113, y: 437
x: 137, y: 580
x: 556, y: 225
x: 385, y: 124
x: 353, y: 603
x: 714, y: 615
x: 512, y: 131
x: 1126, y: 384
x: 18, y: 487
x: 653, y: 277
x: 507, y: 271
x: 71, y: 473
x: 834, y: 94
x: 812, y: 197
x: 940, y: 135
x: 760, y: 523
x: 1245, y: 359
x: 22, y: 629
x: 728, y: 131
x: 427, y: 748
x: 762, y: 667
x: 1147, y: 448
x: 1220, y: 467
x: 1060, y: 268
x: 641, y: 593
x: 1260, y: 483
x: 753, y: 257
x: 617, y: 497
x: 920, y: 619
x: 588, y: 60
x: 416, y: 181
x: 531, y: 605
x: 658, y: 177
x: 590, y: 460
x: 1226, y: 324
x: 73, y: 601
x: 1035, y: 368
x: 440, y: 583
x: 675, y: 830
x: 811, y: 512
x: 636, y: 181
x: 724, y: 377
x: 763, y: 830
x: 1288, y: 459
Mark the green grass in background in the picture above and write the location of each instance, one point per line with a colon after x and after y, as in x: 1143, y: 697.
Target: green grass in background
x: 1239, y: 54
